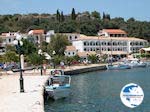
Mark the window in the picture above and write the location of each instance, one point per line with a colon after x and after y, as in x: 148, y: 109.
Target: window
x: 109, y: 43
x: 86, y: 43
x: 73, y: 53
x: 97, y: 43
x: 70, y: 38
x: 68, y: 53
x: 9, y: 40
x: 75, y: 37
x: 141, y: 43
x: 109, y: 49
x: 97, y: 49
x: 91, y: 43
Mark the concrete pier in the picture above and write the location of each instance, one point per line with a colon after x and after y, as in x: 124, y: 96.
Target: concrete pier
x: 84, y: 69
x: 11, y: 100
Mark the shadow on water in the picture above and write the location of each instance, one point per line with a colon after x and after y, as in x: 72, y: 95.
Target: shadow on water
x: 100, y: 92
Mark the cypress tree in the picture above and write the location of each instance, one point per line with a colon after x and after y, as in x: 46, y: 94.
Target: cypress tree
x: 62, y: 17
x: 73, y: 14
x: 58, y: 15
x: 104, y: 16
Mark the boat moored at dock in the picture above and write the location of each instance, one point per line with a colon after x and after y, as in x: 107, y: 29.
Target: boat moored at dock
x: 58, y: 86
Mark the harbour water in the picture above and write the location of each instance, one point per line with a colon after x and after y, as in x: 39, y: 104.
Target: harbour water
x: 100, y: 92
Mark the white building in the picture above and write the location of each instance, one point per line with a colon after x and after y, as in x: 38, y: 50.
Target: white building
x: 6, y: 39
x: 114, y: 45
x: 72, y: 36
x: 70, y: 51
x: 49, y: 34
x: 38, y: 35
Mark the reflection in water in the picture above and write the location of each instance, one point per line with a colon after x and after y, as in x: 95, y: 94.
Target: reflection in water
x: 100, y: 92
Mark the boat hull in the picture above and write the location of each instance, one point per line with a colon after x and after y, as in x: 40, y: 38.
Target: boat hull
x: 58, y: 93
x: 138, y: 65
x: 118, y: 67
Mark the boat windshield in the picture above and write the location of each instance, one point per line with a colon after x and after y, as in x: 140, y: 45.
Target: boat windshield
x: 59, y: 80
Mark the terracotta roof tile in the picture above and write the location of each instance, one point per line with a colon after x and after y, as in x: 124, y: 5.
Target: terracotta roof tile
x: 84, y: 54
x: 36, y: 31
x: 70, y: 48
x: 114, y: 31
x: 84, y: 37
x: 114, y: 52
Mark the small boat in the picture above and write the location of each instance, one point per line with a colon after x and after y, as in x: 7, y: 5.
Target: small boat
x: 134, y: 63
x: 118, y: 67
x: 58, y: 86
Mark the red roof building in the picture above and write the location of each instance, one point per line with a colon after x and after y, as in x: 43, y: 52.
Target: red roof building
x: 36, y: 32
x: 112, y: 33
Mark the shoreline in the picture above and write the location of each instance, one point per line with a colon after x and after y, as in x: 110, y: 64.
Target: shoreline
x: 32, y: 100
x: 74, y: 70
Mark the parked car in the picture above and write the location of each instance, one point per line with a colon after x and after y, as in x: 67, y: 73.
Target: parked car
x: 1, y: 65
x: 11, y: 66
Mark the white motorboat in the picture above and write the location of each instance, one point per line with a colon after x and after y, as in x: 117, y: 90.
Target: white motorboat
x: 58, y: 86
x: 135, y: 63
x: 118, y: 67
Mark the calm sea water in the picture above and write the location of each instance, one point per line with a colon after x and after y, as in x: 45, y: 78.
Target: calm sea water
x: 100, y: 92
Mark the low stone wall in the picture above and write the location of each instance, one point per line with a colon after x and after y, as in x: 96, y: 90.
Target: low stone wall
x: 85, y: 70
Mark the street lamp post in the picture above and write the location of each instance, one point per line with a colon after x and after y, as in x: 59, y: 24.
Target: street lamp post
x: 53, y: 58
x: 40, y: 53
x: 18, y: 44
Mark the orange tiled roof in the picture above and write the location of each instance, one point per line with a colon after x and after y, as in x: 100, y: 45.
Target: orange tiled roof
x: 84, y: 54
x: 84, y: 37
x: 36, y: 31
x: 114, y: 31
x: 4, y: 34
x: 114, y: 52
x: 70, y: 48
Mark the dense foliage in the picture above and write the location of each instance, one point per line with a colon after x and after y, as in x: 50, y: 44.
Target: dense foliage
x: 85, y: 23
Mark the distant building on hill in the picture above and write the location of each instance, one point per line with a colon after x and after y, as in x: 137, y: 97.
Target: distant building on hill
x: 6, y: 39
x: 49, y: 34
x: 112, y: 33
x: 72, y: 36
x: 38, y: 35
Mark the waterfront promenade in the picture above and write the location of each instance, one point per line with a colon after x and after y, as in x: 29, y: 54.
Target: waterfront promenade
x: 11, y: 100
x: 32, y: 99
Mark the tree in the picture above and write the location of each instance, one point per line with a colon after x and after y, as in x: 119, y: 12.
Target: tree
x: 35, y: 58
x: 96, y: 15
x: 104, y: 16
x: 58, y: 44
x: 10, y: 48
x: 62, y: 17
x: 28, y: 47
x: 58, y: 15
x: 73, y: 14
x: 11, y: 56
x: 93, y: 58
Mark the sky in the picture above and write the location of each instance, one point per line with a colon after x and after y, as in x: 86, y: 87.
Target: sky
x: 139, y: 9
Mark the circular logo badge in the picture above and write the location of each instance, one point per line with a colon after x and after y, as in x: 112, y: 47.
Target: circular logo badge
x: 132, y: 95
